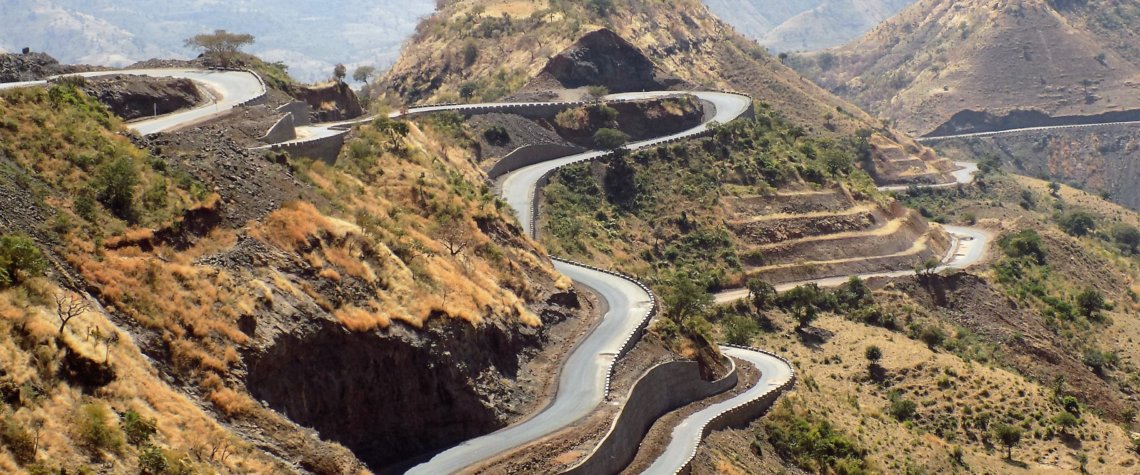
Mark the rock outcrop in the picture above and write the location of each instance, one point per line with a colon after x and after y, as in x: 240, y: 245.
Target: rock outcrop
x: 602, y: 58
x: 134, y: 97
x: 329, y: 102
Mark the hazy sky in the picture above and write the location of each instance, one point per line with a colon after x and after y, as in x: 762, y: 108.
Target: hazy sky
x: 308, y: 35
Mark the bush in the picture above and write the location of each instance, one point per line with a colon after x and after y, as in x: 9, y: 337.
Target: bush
x: 932, y: 336
x: 873, y: 354
x: 1127, y: 238
x: 903, y: 409
x: 1023, y: 244
x: 1077, y: 223
x: 812, y: 443
x: 762, y: 294
x: 115, y: 187
x: 152, y: 461
x: 19, y: 441
x: 138, y: 429
x: 1090, y: 301
x: 610, y: 139
x: 739, y: 330
x: 598, y: 91
x: 20, y: 259
x: 96, y: 429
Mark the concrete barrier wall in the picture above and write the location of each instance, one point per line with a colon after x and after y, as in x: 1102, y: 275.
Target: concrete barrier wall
x: 664, y: 388
x: 742, y: 415
x: 530, y: 155
x: 300, y: 111
x: 282, y: 131
x: 324, y: 148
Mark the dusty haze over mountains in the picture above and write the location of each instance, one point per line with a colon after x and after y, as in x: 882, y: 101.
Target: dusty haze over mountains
x: 804, y: 25
x: 307, y: 35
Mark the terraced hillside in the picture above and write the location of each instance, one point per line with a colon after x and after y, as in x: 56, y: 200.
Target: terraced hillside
x: 794, y: 236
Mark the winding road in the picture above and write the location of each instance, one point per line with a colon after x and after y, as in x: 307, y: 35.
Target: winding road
x: 584, y: 377
x: 228, y: 89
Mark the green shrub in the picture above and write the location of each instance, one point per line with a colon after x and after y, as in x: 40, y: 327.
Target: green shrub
x: 812, y: 443
x: 96, y: 428
x: 739, y: 330
x: 1023, y: 244
x: 20, y: 259
x: 932, y: 336
x: 610, y: 139
x: 1090, y: 301
x: 762, y: 294
x: 152, y: 461
x: 138, y: 429
x: 115, y: 185
x: 903, y: 409
x: 21, y: 443
x: 1127, y: 238
x: 1077, y: 223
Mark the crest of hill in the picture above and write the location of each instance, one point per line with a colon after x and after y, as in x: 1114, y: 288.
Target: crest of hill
x: 938, y: 58
x: 484, y: 50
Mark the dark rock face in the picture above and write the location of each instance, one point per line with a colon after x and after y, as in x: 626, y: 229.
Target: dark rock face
x: 133, y: 97
x: 391, y: 395
x: 329, y: 103
x: 28, y: 67
x: 85, y: 372
x: 603, y: 58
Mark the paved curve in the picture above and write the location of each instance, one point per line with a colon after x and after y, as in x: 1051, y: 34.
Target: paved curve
x: 1023, y: 129
x: 228, y: 88
x: 590, y: 362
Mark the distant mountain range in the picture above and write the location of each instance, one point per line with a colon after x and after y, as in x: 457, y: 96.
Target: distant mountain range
x: 805, y: 25
x: 937, y: 59
x: 305, y: 34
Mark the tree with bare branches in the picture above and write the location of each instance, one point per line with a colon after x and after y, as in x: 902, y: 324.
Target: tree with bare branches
x: 456, y: 237
x: 68, y: 306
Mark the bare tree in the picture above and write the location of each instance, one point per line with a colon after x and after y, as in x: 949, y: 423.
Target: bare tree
x: 456, y: 237
x: 69, y: 305
x: 221, y: 46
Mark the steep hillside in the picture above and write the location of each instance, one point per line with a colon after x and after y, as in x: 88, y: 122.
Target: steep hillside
x: 934, y: 372
x: 805, y: 25
x: 268, y: 295
x: 486, y: 50
x: 936, y: 59
x: 1100, y: 160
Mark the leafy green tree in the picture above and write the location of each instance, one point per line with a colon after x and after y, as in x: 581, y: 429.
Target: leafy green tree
x: 152, y: 461
x: 116, y: 183
x: 393, y: 130
x: 362, y: 73
x: 805, y: 302
x: 221, y: 47
x: 468, y: 89
x: 1077, y: 223
x: 874, y: 354
x: 610, y: 139
x: 1009, y: 436
x: 340, y: 72
x: 470, y: 54
x: 1091, y: 301
x: 761, y: 294
x: 1127, y: 237
x: 685, y: 298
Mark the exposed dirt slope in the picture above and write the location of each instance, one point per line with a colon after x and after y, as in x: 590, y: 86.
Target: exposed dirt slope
x: 938, y: 58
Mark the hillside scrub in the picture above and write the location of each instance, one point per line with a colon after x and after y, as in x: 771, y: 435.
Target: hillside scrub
x: 658, y: 212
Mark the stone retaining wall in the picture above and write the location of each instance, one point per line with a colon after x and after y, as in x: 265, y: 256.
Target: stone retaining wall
x: 282, y: 131
x: 530, y: 155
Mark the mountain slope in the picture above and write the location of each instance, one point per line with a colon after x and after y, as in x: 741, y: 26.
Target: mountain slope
x: 470, y: 50
x: 939, y: 58
x: 831, y: 23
